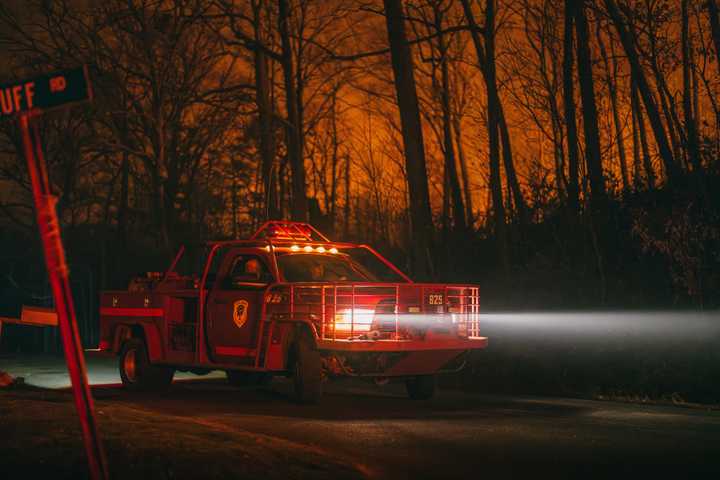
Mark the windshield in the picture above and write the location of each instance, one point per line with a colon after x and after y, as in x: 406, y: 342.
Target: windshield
x: 322, y: 268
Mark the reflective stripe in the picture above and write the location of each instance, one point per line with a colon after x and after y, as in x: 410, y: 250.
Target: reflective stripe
x: 131, y: 312
x: 235, y: 351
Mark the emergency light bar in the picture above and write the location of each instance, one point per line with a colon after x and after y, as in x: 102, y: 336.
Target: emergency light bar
x: 292, y: 231
x: 310, y: 249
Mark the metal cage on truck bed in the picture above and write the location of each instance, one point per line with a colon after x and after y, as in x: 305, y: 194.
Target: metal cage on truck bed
x: 380, y: 316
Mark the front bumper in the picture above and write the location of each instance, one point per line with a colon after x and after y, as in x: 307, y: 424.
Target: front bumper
x: 456, y: 344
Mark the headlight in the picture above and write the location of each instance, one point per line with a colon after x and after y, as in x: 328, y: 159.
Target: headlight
x: 354, y: 319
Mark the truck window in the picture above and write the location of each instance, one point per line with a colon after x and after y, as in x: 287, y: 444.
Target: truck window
x: 372, y: 264
x: 215, y: 263
x: 300, y: 267
x: 247, y: 269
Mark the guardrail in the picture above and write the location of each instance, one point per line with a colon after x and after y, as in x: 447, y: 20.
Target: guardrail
x: 33, y: 316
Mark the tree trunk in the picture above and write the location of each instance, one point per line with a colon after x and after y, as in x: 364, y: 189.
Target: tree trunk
x: 458, y: 207
x: 637, y: 108
x: 598, y: 196
x: 667, y: 103
x: 469, y: 215
x: 335, y: 160
x: 486, y: 61
x: 637, y: 162
x: 265, y: 121
x: 509, y: 165
x: 569, y: 107
x: 628, y: 42
x: 299, y: 209
x: 404, y: 75
x: 693, y: 141
x: 715, y: 27
x: 346, y: 212
x: 610, y: 79
x: 123, y: 207
x: 445, y: 212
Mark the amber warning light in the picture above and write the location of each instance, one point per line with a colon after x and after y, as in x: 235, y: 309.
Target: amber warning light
x: 45, y: 92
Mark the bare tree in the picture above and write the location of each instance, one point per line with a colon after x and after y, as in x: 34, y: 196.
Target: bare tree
x: 450, y: 168
x: 569, y: 109
x: 263, y: 87
x: 486, y: 61
x: 640, y: 123
x: 611, y: 75
x: 714, y: 25
x: 299, y: 207
x: 412, y: 135
x: 627, y: 39
x: 593, y: 160
x: 693, y: 141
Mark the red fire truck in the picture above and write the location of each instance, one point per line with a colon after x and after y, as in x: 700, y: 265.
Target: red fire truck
x: 288, y: 301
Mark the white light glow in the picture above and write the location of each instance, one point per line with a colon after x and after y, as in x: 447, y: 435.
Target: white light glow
x: 308, y: 248
x: 295, y: 248
x: 333, y: 250
x: 625, y: 325
x: 355, y: 320
x: 320, y: 249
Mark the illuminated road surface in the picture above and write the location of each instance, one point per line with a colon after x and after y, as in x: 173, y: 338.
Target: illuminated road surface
x: 51, y: 372
x: 457, y: 435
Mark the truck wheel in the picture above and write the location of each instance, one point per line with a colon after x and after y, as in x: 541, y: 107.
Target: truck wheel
x: 239, y: 378
x: 306, y: 371
x: 421, y: 387
x: 136, y: 371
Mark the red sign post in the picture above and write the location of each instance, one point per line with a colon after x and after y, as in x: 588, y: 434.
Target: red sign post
x: 27, y: 100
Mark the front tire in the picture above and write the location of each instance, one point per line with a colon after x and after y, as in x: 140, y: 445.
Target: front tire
x: 421, y: 387
x: 136, y: 371
x: 306, y: 371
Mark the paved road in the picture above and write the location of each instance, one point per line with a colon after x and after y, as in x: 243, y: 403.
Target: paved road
x: 456, y: 435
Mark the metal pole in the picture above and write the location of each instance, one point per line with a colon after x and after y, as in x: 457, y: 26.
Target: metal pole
x: 49, y: 227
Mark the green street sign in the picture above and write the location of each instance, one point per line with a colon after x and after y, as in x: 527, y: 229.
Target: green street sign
x: 44, y: 92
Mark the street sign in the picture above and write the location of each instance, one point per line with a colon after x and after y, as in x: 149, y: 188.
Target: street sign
x: 45, y: 92
x: 27, y: 100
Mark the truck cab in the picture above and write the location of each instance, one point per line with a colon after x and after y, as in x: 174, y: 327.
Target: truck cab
x: 288, y: 301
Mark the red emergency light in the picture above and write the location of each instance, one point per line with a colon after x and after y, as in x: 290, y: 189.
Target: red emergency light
x: 289, y: 231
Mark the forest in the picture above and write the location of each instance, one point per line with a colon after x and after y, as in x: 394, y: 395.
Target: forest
x: 562, y: 154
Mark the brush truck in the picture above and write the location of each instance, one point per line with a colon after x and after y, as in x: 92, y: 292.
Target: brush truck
x: 288, y: 302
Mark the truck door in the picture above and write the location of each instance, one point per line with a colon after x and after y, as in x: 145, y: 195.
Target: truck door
x: 234, y: 308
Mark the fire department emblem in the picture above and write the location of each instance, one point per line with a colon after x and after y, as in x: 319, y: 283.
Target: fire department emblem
x: 240, y: 312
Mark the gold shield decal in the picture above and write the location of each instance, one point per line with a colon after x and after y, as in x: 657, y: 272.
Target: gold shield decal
x: 240, y: 312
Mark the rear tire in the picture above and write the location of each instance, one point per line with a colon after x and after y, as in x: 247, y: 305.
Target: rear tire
x: 306, y: 368
x: 421, y: 387
x: 136, y: 371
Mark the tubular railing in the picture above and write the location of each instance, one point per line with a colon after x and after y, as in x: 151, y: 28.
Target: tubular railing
x: 372, y: 311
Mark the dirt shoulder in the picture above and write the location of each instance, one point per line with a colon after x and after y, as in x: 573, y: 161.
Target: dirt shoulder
x: 41, y: 439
